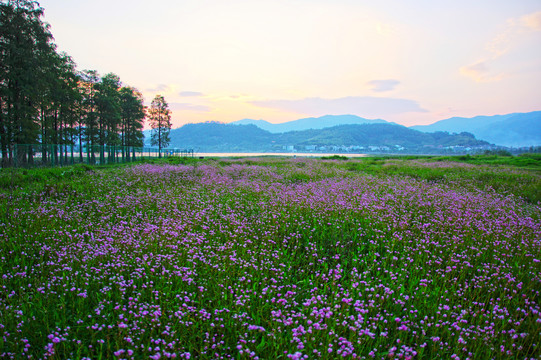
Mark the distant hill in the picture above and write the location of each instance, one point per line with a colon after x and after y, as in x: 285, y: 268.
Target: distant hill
x: 513, y: 130
x: 214, y: 136
x: 518, y: 129
x: 386, y: 137
x: 377, y: 135
x: 146, y: 137
x: 309, y: 123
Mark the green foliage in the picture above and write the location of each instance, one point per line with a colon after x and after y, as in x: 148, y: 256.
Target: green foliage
x: 530, y: 161
x: 516, y: 175
x: 499, y: 152
x: 27, y: 56
x: 159, y: 117
x: 334, y: 157
x: 182, y: 160
x: 17, y: 178
x: 298, y: 177
x: 44, y: 99
x: 132, y: 116
x: 534, y: 156
x: 109, y: 109
x: 214, y: 136
x: 178, y: 260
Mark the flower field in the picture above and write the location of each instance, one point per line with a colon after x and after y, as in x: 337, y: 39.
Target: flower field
x: 272, y: 259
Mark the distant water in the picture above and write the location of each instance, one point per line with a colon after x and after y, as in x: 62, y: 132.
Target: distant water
x: 275, y: 154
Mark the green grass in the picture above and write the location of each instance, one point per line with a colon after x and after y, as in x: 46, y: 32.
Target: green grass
x: 177, y: 252
x: 520, y: 176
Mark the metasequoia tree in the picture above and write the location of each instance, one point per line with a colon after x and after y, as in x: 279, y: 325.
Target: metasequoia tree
x: 26, y: 53
x: 132, y: 117
x: 44, y: 99
x: 159, y: 117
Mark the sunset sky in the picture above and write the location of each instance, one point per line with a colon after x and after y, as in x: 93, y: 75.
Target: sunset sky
x: 412, y: 62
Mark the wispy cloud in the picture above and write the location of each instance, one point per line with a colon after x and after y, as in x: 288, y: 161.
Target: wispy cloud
x: 366, y: 106
x: 157, y: 88
x: 515, y: 27
x: 189, y: 107
x: 163, y: 89
x: 383, y: 85
x: 480, y: 72
x: 190, y: 93
x: 500, y: 45
x: 532, y: 21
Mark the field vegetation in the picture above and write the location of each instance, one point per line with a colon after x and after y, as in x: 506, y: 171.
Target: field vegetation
x: 273, y: 258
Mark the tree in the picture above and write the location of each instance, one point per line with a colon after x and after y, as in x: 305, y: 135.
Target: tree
x: 88, y: 83
x: 26, y: 49
x: 59, y: 108
x: 132, y: 118
x: 108, y: 105
x: 43, y: 98
x: 159, y: 117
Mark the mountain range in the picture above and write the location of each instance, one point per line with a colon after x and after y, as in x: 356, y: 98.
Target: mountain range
x: 353, y: 133
x: 513, y: 130
x: 309, y: 123
x: 378, y: 137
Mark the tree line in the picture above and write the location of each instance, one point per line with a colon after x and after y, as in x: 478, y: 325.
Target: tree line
x: 44, y: 99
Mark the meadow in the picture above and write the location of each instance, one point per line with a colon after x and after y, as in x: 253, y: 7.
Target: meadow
x: 272, y: 258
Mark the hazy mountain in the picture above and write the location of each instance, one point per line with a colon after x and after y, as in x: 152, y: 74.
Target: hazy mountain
x: 219, y: 137
x: 376, y: 135
x: 309, y: 123
x: 518, y: 129
x: 213, y: 136
x: 146, y: 137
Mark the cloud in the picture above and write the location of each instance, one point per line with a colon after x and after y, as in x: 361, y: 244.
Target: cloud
x: 159, y: 87
x: 366, y: 106
x: 188, y: 107
x: 240, y: 96
x: 516, y: 27
x: 190, y: 93
x: 532, y: 21
x: 479, y: 71
x: 383, y: 85
x: 164, y: 89
x: 500, y: 45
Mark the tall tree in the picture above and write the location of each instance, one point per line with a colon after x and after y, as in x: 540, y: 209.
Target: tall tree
x: 108, y: 105
x: 58, y: 108
x: 159, y: 117
x: 132, y: 119
x: 25, y: 51
x: 80, y: 113
x: 44, y: 99
x: 70, y: 100
x: 89, y: 113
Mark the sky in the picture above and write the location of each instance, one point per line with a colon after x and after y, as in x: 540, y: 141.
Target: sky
x: 411, y: 62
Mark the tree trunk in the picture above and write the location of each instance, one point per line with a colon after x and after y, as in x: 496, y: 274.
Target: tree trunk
x: 80, y: 145
x: 3, y: 138
x: 30, y: 155
x: 55, y: 145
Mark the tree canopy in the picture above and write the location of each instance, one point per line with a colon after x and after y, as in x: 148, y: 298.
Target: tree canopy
x: 159, y: 117
x: 44, y: 99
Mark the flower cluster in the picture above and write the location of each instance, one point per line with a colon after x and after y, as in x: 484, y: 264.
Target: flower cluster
x: 296, y: 260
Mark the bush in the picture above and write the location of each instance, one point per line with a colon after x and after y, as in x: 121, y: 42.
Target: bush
x: 334, y: 157
x: 499, y: 152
